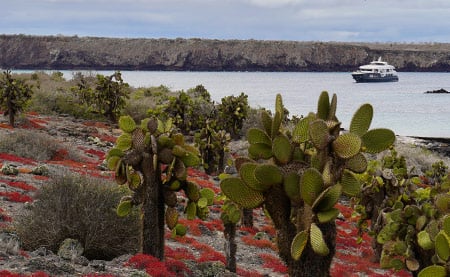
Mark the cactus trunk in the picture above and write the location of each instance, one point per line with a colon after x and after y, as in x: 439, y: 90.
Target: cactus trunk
x: 230, y: 246
x: 310, y: 264
x: 153, y: 211
x: 247, y: 218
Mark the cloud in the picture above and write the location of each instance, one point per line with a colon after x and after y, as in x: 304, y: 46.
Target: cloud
x: 347, y: 20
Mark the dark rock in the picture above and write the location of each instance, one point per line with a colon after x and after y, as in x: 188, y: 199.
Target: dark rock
x: 53, y: 266
x: 438, y: 91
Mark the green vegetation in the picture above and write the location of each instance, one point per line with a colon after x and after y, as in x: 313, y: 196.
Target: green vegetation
x: 107, y: 97
x: 137, y: 158
x: 302, y: 176
x: 14, y: 95
x: 409, y: 215
x: 296, y: 169
x: 81, y: 208
x: 33, y: 145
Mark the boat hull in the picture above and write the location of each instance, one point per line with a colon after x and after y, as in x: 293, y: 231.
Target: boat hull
x: 373, y: 78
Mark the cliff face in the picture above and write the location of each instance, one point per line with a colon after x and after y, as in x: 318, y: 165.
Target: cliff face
x: 49, y: 52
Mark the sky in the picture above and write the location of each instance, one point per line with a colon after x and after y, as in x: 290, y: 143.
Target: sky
x: 418, y: 21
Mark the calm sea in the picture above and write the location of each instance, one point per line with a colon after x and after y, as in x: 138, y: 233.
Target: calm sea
x: 401, y: 106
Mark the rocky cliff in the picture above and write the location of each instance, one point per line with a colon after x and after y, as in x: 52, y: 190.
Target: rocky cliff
x: 60, y: 52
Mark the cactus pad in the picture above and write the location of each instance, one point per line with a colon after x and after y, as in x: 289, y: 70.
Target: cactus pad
x: 165, y: 155
x: 300, y: 133
x: 328, y: 198
x: 192, y: 191
x: 124, y: 142
x: 350, y: 184
x: 433, y: 271
x: 357, y: 163
x: 180, y: 230
x: 127, y: 124
x: 124, y: 208
x: 377, y: 140
x: 323, y: 106
x: 170, y: 198
x: 134, y: 180
x: 268, y: 175
x: 239, y: 161
x: 114, y: 152
x: 152, y: 125
x: 347, y: 145
x: 311, y: 185
x: 260, y: 151
x: 171, y: 217
x: 178, y: 151
x: 190, y: 159
x: 238, y: 192
x: 318, y: 131
x: 138, y: 139
x: 282, y: 149
x: 298, y: 244
x: 442, y: 246
x: 333, y: 108
x: 291, y: 186
x: 113, y: 162
x: 361, y: 120
x: 328, y: 215
x: 317, y: 242
x: 266, y: 122
x: 424, y: 240
x: 247, y: 173
x: 191, y: 210
x: 208, y: 194
x: 255, y: 135
x: 446, y: 225
x: 276, y: 124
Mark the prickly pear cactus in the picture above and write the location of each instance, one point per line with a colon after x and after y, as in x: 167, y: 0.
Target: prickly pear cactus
x: 152, y: 160
x: 299, y: 176
x: 409, y: 217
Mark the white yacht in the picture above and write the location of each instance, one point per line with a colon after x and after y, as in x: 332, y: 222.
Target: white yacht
x: 376, y: 71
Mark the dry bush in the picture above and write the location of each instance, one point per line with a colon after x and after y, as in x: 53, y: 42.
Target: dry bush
x: 80, y: 208
x: 35, y: 145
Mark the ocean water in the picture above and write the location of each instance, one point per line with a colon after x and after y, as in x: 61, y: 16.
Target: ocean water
x: 401, y: 106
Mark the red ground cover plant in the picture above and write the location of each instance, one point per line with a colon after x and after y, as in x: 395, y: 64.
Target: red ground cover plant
x: 99, y: 154
x: 98, y: 275
x: 34, y: 123
x: 178, y: 253
x: 150, y: 264
x: 260, y: 243
x: 5, y: 273
x: 16, y: 197
x: 5, y: 126
x: 273, y: 263
x: 246, y: 273
x: 14, y: 158
x: 211, y: 256
x: 20, y: 185
x: 250, y: 230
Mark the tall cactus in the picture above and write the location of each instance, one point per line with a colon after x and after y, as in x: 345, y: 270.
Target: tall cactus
x: 299, y: 177
x: 152, y: 159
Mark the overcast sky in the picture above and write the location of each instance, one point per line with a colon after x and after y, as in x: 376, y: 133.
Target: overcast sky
x: 304, y: 20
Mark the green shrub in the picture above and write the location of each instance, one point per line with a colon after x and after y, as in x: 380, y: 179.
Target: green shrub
x: 34, y: 145
x: 80, y: 208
